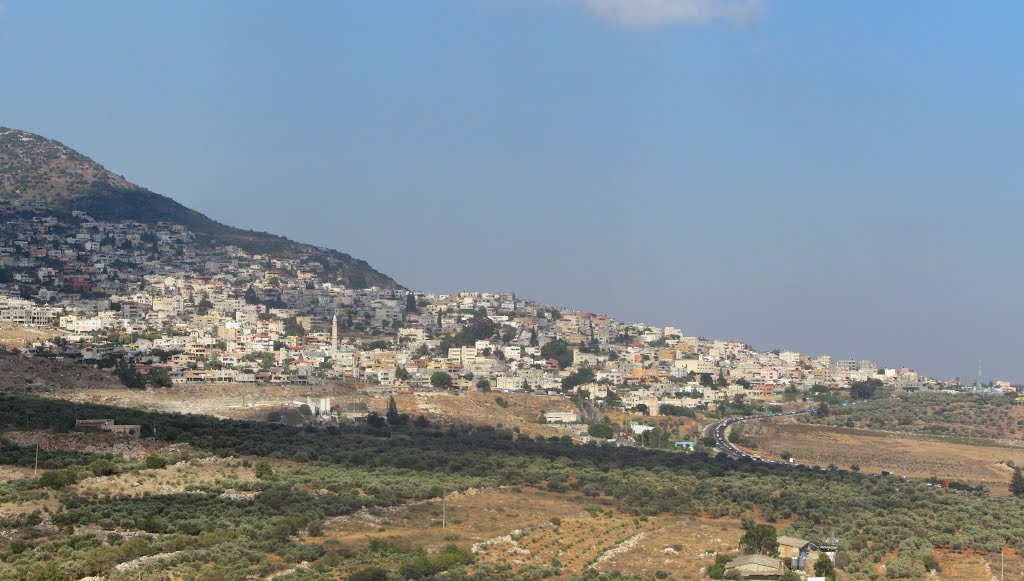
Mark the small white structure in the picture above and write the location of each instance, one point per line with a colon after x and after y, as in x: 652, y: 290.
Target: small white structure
x: 561, y: 417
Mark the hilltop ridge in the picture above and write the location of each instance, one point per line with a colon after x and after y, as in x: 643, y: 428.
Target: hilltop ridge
x: 46, y: 172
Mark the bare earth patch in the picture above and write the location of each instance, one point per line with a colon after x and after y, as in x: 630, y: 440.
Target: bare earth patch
x: 682, y: 546
x: 877, y: 451
x: 92, y: 443
x: 173, y: 479
x: 470, y: 517
x: 241, y: 401
x: 537, y: 527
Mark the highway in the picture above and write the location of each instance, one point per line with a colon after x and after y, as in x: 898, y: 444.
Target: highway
x: 718, y: 432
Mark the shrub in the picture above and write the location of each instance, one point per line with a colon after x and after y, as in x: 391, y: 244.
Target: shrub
x: 371, y: 574
x: 717, y: 570
x: 155, y: 462
x: 425, y: 565
x: 102, y: 467
x: 57, y: 479
x: 382, y: 547
x: 18, y: 547
x: 263, y: 470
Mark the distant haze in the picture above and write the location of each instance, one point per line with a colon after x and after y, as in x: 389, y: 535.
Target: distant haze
x: 816, y: 176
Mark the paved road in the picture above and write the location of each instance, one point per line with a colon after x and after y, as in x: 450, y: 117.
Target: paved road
x: 588, y: 410
x: 717, y: 431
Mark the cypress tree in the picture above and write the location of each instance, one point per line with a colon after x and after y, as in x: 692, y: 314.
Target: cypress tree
x: 1017, y: 483
x: 392, y: 413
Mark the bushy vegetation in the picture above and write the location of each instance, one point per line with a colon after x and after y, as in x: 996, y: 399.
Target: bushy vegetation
x: 357, y: 467
x: 958, y: 416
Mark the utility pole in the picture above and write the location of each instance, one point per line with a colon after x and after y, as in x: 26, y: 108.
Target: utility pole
x: 36, y: 469
x: 444, y: 508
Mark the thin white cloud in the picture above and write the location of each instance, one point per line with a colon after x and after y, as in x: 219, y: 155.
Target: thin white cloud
x: 653, y: 13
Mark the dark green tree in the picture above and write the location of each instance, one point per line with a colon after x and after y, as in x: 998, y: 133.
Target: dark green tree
x: 159, y: 377
x: 392, y: 413
x: 604, y: 431
x: 204, y: 306
x: 558, y: 350
x: 508, y: 333
x: 129, y: 376
x: 760, y: 540
x: 477, y: 329
x: 441, y: 379
x: 1017, y: 483
x: 584, y: 375
x: 864, y: 389
x: 612, y: 399
x: 824, y: 567
x: 410, y: 303
x: 292, y: 327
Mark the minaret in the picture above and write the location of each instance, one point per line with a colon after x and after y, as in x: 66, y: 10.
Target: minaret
x: 334, y: 334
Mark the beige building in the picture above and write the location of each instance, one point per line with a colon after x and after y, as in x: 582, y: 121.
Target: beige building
x: 754, y: 567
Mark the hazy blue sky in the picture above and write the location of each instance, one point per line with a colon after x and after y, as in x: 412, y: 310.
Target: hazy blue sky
x: 820, y: 176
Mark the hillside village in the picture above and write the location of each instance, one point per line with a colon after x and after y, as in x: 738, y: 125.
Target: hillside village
x: 147, y: 301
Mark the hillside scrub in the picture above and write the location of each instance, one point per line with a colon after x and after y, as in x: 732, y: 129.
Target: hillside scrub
x: 959, y: 416
x: 352, y: 467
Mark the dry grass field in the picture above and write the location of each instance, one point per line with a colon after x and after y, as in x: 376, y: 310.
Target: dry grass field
x: 532, y: 527
x: 682, y: 546
x: 528, y: 526
x: 873, y: 451
x: 471, y: 517
x: 16, y: 337
x: 970, y: 565
x: 83, y: 384
x: 173, y: 479
x: 481, y: 409
x: 92, y: 443
x: 255, y: 402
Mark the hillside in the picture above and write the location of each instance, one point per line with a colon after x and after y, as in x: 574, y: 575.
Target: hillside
x: 36, y: 169
x: 240, y: 499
